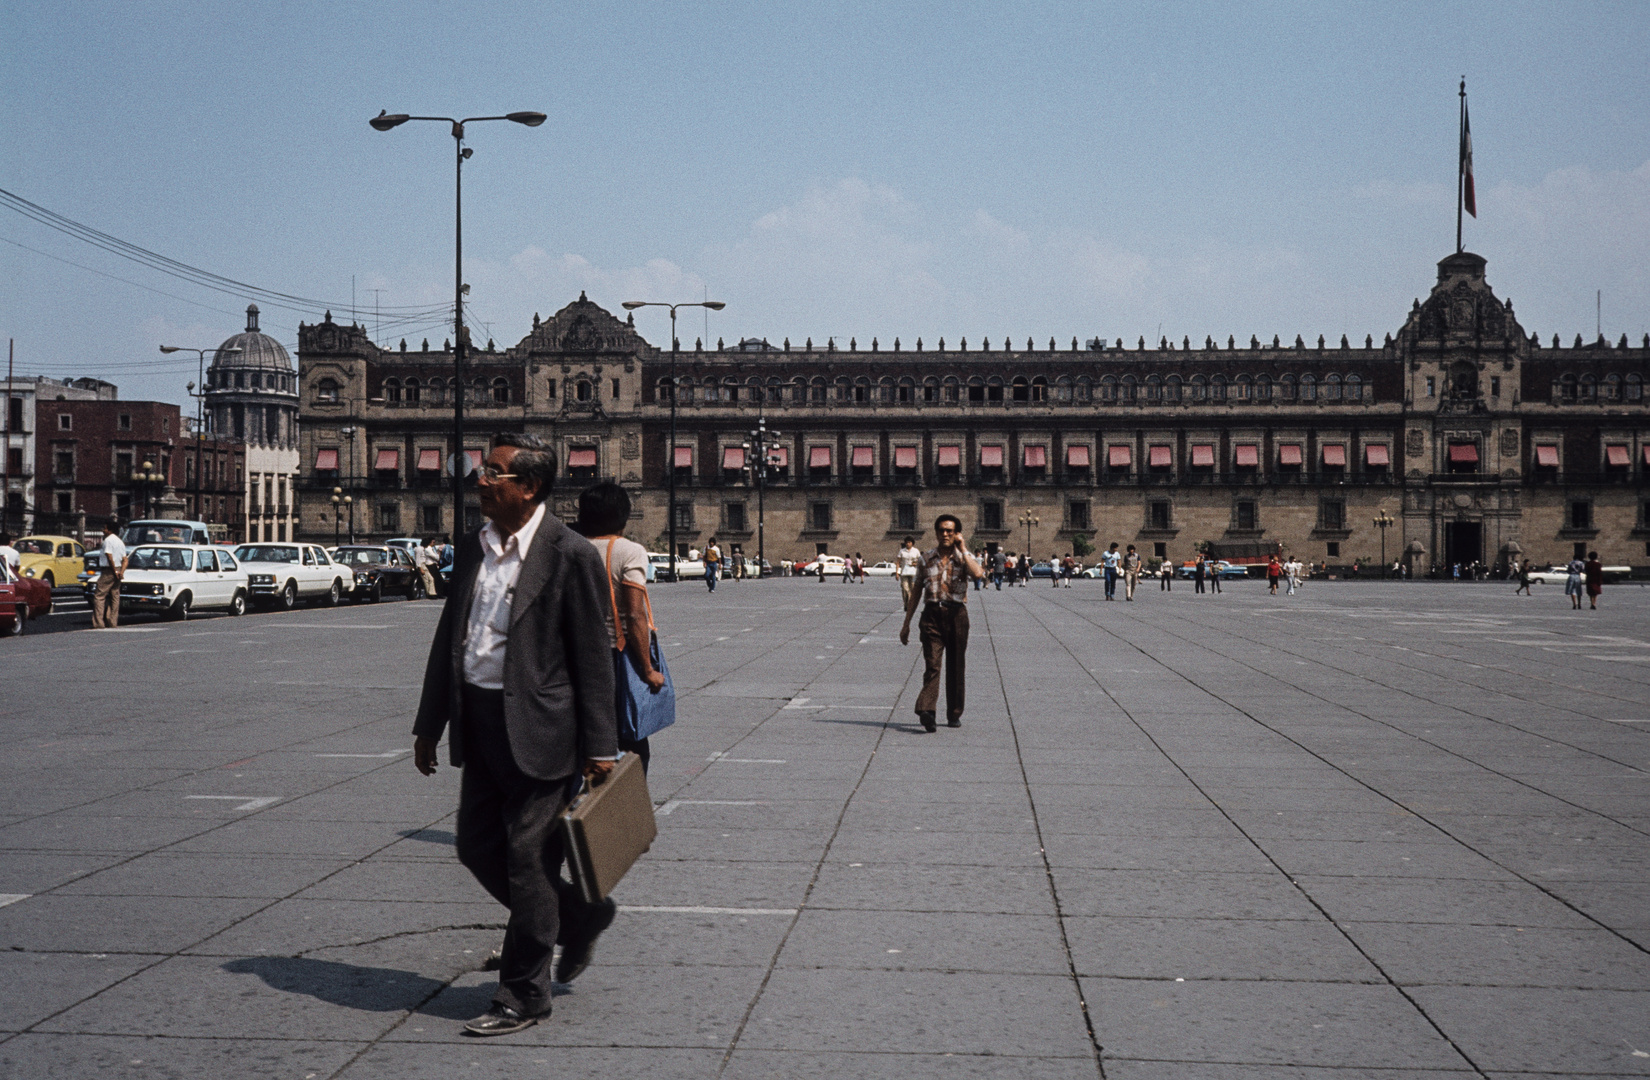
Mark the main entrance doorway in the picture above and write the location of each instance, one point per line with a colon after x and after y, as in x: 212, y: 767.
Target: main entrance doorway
x: 1463, y: 543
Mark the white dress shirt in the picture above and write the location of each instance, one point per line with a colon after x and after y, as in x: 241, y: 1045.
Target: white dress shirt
x: 114, y: 553
x: 495, y: 591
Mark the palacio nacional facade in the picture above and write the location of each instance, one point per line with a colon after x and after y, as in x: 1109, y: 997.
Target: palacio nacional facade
x: 1471, y: 436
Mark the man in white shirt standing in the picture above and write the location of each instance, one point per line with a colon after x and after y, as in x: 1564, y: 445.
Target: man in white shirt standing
x: 520, y: 677
x: 8, y: 554
x: 905, y: 561
x: 106, y: 597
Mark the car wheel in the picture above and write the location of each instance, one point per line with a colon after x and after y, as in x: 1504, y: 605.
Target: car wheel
x: 333, y: 594
x: 19, y: 618
x: 49, y: 581
x: 237, y: 606
x: 377, y: 592
x: 417, y: 590
x: 289, y: 596
x: 180, y: 610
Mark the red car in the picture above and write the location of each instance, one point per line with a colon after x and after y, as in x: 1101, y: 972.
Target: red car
x: 21, y: 599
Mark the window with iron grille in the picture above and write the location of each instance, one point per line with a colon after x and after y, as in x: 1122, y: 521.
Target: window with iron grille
x: 736, y: 516
x: 819, y: 516
x: 1077, y: 514
x: 1246, y: 516
x: 430, y: 518
x: 684, y: 517
x: 905, y: 515
x: 991, y: 515
x: 1158, y: 514
x: 1581, y: 514
x: 1332, y: 515
x: 389, y: 517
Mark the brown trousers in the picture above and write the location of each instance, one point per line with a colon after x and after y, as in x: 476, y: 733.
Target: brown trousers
x: 106, y: 602
x: 944, y: 633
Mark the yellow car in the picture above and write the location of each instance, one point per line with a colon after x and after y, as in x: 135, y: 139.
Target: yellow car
x: 56, y: 560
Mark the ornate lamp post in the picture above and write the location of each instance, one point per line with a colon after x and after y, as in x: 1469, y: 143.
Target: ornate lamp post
x: 200, y: 399
x: 1030, y: 521
x: 670, y: 450
x: 150, y: 481
x: 761, y: 446
x: 339, y: 499
x: 461, y: 336
x: 1384, y: 521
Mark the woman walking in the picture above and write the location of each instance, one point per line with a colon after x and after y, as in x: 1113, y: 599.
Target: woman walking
x: 1572, y: 584
x: 1524, y: 580
x: 1595, y: 579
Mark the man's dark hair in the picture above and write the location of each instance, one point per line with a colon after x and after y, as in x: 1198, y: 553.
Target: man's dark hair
x: 952, y: 518
x: 910, y: 539
x: 111, y: 525
x: 1593, y: 555
x: 603, y: 509
x: 534, y: 463
x: 5, y: 537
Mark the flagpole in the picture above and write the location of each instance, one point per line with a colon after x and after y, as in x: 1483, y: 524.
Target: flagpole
x: 1461, y: 165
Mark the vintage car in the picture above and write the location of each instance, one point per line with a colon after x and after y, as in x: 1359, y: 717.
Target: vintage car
x: 280, y: 575
x: 1559, y: 574
x: 55, y: 560
x: 174, y: 580
x: 21, y: 599
x: 377, y: 569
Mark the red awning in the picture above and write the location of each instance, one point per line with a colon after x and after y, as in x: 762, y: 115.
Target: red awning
x: 583, y: 457
x: 779, y: 457
x: 1077, y: 457
x: 1647, y: 454
x: 1463, y: 453
x: 1546, y: 456
x: 1118, y: 457
x: 905, y: 457
x: 1616, y: 455
x: 1289, y: 454
x: 1334, y: 455
x: 1246, y: 455
x: 476, y: 458
x: 819, y: 457
x: 1203, y: 456
x: 991, y: 457
x: 1376, y: 454
x: 733, y: 457
x: 429, y: 461
x: 949, y: 456
x: 684, y: 457
x: 326, y: 459
x: 1036, y: 457
x: 1161, y: 457
x: 387, y: 460
x: 864, y: 457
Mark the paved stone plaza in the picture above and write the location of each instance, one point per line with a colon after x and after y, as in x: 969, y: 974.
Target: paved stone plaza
x: 1372, y: 830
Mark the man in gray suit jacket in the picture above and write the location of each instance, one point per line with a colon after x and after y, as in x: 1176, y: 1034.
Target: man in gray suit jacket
x: 521, y: 680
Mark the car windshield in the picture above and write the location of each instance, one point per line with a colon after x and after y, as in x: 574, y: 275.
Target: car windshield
x: 154, y: 532
x: 267, y: 553
x: 363, y: 557
x: 162, y: 558
x: 34, y: 547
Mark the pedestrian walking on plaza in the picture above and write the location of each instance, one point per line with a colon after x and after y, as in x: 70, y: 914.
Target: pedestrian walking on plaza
x: 1199, y: 572
x: 1010, y: 569
x: 604, y: 510
x: 1054, y: 569
x: 713, y: 563
x: 1025, y: 568
x: 1068, y: 570
x: 1274, y: 570
x: 945, y: 571
x: 1572, y: 584
x: 859, y: 567
x: 1594, y: 571
x: 1523, y: 579
x: 1214, y: 578
x: 524, y: 691
x: 1131, y: 572
x: 1165, y: 577
x: 905, y: 564
x: 106, y: 595
x: 1110, y: 561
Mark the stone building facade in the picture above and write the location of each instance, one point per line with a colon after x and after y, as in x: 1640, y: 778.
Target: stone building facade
x: 251, y: 398
x: 1470, y: 436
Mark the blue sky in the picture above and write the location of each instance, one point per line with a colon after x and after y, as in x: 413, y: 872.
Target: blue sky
x: 965, y: 170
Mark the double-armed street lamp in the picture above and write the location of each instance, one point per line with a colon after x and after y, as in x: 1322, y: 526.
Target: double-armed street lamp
x: 461, y: 336
x: 198, y: 391
x: 340, y: 499
x: 1030, y: 521
x: 1384, y: 521
x: 670, y: 450
x: 150, y: 481
x: 760, y: 447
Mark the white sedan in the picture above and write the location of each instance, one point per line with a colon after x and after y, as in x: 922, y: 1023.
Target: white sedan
x: 282, y: 574
x: 1560, y: 575
x: 173, y: 580
x: 881, y: 569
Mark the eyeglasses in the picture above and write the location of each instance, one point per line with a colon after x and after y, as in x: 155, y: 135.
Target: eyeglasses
x: 492, y: 475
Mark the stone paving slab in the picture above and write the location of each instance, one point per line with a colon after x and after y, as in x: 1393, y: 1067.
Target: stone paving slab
x: 1379, y: 830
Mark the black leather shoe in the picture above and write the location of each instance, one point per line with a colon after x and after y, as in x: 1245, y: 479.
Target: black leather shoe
x: 927, y: 719
x: 955, y: 721
x: 500, y: 1019
x: 575, y: 955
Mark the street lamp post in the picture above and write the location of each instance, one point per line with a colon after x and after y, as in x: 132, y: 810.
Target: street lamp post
x: 761, y: 445
x: 349, y: 433
x: 198, y: 389
x: 670, y: 449
x: 461, y: 338
x: 1384, y: 521
x: 1030, y: 521
x: 149, y: 480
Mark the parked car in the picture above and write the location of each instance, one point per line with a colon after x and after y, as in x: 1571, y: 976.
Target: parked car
x: 833, y: 566
x: 881, y: 569
x: 21, y: 599
x: 685, y: 568
x: 173, y: 580
x: 280, y: 575
x: 165, y: 531
x: 1226, y: 570
x: 1558, y: 575
x: 377, y: 569
x: 410, y: 543
x: 55, y: 560
x: 1042, y: 569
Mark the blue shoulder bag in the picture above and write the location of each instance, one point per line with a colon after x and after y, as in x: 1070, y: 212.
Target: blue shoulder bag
x: 641, y: 712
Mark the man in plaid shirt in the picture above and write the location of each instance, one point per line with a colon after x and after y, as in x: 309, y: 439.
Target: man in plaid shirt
x: 944, y: 572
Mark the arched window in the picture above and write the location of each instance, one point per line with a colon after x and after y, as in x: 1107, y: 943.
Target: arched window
x: 478, y: 393
x: 994, y: 389
x: 582, y: 390
x: 1085, y: 389
x: 392, y: 391
x: 1217, y: 389
x: 1309, y: 388
x: 1286, y: 388
x: 1200, y: 387
x: 326, y: 390
x: 776, y: 391
x: 1062, y: 389
x: 1154, y: 389
x: 730, y: 391
x: 1612, y: 387
x: 799, y: 391
x: 1108, y: 389
x: 1332, y: 388
x: 1171, y: 390
x: 862, y: 391
x: 501, y: 391
x: 976, y: 390
x: 1128, y: 390
x: 1241, y: 387
x: 1567, y: 387
x: 952, y: 390
x: 844, y: 390
x: 1354, y: 388
x: 1020, y: 390
x: 819, y: 390
x: 1634, y: 389
x: 413, y: 392
x: 662, y: 393
x: 1263, y: 388
x: 1039, y: 389
x: 1589, y: 387
x: 907, y: 392
x: 931, y: 391
x: 885, y: 390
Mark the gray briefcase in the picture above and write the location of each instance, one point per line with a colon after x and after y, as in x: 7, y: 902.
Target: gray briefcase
x: 607, y: 828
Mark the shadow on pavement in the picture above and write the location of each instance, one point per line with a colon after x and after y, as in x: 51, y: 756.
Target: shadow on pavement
x: 429, y: 836
x: 348, y: 985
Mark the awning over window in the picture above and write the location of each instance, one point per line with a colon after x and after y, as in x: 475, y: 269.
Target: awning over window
x: 387, y: 460
x: 905, y: 457
x: 429, y: 461
x: 864, y: 457
x: 1077, y: 457
x: 1647, y: 454
x: 1546, y: 456
x: 1334, y: 455
x: 991, y: 457
x: 1160, y: 457
x: 949, y: 457
x: 819, y: 457
x: 1036, y: 457
x: 581, y: 457
x: 1289, y: 454
x: 684, y: 457
x: 1203, y: 455
x: 1246, y: 455
x: 1616, y: 455
x: 1118, y: 457
x: 476, y: 458
x: 733, y: 457
x: 326, y: 459
x: 1463, y: 453
x: 779, y: 457
x: 1376, y: 454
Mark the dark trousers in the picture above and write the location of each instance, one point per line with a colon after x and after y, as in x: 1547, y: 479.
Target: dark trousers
x: 1111, y: 582
x: 943, y: 629
x: 509, y: 837
x: 1199, y: 582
